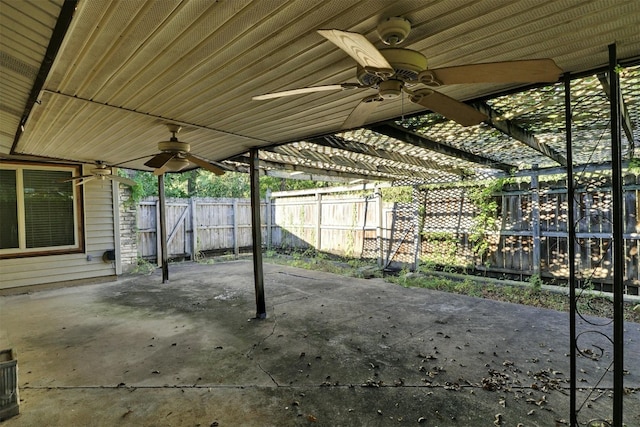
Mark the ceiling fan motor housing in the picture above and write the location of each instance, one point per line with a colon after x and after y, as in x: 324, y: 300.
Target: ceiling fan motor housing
x: 101, y: 171
x: 406, y: 63
x: 174, y: 146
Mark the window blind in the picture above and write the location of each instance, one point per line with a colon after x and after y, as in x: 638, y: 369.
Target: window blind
x: 8, y: 210
x: 48, y: 208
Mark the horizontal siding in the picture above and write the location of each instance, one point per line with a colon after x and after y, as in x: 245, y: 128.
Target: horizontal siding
x: 21, y: 272
x: 99, y: 237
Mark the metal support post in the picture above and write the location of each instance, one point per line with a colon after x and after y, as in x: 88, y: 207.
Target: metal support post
x: 256, y: 233
x: 571, y: 256
x: 618, y: 242
x: 163, y: 255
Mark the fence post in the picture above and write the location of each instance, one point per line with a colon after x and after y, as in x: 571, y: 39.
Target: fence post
x: 535, y: 220
x: 267, y: 202
x: 417, y: 236
x: 194, y: 229
x: 379, y: 240
x: 236, y: 244
x: 318, y: 221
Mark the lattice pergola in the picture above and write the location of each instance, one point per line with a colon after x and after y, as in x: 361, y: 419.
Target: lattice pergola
x: 525, y: 130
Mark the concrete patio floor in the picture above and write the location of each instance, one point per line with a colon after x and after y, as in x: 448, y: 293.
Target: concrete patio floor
x: 334, y: 351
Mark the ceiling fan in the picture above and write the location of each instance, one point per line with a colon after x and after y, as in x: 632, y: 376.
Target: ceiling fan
x: 174, y: 156
x: 102, y: 172
x: 394, y: 70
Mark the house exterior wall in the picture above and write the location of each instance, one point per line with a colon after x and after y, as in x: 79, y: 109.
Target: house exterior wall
x: 99, y: 237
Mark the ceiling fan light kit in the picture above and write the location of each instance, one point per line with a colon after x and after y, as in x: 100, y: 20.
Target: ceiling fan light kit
x: 390, y: 89
x: 393, y: 70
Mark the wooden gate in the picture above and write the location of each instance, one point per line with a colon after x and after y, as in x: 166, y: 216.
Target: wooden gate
x: 179, y: 229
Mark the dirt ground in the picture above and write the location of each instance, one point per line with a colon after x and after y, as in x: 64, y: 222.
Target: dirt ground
x: 334, y: 351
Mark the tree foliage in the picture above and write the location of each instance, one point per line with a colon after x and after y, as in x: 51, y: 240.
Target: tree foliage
x: 201, y: 183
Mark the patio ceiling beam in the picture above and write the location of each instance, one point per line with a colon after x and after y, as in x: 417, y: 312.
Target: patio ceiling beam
x: 518, y: 133
x: 624, y: 113
x: 398, y: 132
x: 334, y: 141
x: 313, y: 171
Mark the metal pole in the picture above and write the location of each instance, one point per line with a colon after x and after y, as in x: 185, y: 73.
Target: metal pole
x: 256, y: 233
x: 618, y: 242
x: 571, y: 236
x: 163, y: 230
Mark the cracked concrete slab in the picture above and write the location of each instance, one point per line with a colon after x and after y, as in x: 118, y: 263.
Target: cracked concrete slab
x: 333, y: 351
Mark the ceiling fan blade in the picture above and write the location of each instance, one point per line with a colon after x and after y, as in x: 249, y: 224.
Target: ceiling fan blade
x: 450, y: 108
x: 204, y: 164
x: 86, y: 179
x: 159, y: 160
x: 73, y: 178
x: 525, y: 71
x: 160, y: 171
x: 304, y: 90
x: 361, y: 113
x: 123, y: 180
x: 359, y: 48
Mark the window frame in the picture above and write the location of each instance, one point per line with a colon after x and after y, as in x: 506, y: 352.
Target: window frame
x: 78, y: 212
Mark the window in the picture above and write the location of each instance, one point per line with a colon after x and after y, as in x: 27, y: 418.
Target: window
x: 39, y: 214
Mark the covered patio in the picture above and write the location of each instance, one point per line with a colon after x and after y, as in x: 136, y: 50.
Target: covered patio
x: 334, y: 351
x: 91, y: 86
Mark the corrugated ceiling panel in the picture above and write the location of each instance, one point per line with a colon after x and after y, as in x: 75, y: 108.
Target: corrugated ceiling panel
x: 25, y: 29
x: 199, y: 63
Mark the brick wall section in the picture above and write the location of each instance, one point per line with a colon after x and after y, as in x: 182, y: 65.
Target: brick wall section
x: 128, y: 230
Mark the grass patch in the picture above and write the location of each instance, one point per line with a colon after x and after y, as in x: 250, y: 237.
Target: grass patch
x: 532, y: 294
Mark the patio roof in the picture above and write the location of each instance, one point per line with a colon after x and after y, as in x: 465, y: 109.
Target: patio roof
x: 86, y: 81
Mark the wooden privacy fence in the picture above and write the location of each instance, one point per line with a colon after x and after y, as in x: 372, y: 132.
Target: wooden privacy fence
x: 198, y: 225
x: 351, y: 221
x: 330, y: 220
x: 532, y: 233
x: 531, y: 236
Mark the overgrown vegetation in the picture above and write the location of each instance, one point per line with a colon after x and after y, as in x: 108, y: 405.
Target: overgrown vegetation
x: 487, y: 214
x: 311, y: 259
x: 402, y: 194
x: 530, y: 293
x: 143, y: 267
x: 442, y: 250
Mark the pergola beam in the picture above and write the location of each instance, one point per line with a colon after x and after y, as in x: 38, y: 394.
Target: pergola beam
x: 398, y: 132
x: 518, y: 133
x: 339, y: 143
x: 278, y: 173
x: 313, y: 171
x: 345, y: 161
x: 624, y: 113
